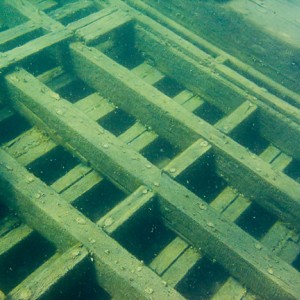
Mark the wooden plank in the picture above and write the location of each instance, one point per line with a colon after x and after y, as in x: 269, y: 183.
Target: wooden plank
x: 231, y: 290
x: 193, y: 103
x: 66, y: 226
x: 50, y: 273
x: 13, y: 238
x: 95, y: 106
x: 33, y: 13
x: 237, y: 117
x: 76, y: 25
x: 188, y: 158
x: 44, y: 4
x: 182, y: 266
x: 74, y: 175
x: 125, y: 210
x: 148, y: 73
x: 56, y: 78
x: 29, y: 146
x: 252, y: 176
x: 92, y: 32
x: 9, y: 35
x: 80, y: 187
x: 212, y: 233
x: 32, y: 47
x: 70, y: 9
x: 168, y: 255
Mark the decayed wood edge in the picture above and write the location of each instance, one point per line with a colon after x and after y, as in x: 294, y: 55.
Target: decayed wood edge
x: 252, y: 176
x: 62, y: 224
x: 214, y: 234
x: 35, y: 46
x: 281, y: 90
x: 16, y: 32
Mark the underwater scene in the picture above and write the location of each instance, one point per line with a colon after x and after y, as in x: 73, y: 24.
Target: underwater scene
x: 149, y: 149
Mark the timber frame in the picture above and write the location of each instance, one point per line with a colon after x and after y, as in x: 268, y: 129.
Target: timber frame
x: 124, y: 53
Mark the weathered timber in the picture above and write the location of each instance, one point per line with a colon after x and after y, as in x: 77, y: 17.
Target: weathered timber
x: 206, y: 80
x: 64, y: 225
x: 45, y: 277
x: 235, y: 63
x: 183, y: 128
x: 216, y: 235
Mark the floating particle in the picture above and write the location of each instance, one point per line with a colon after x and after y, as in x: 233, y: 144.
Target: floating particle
x: 80, y: 221
x: 204, y: 144
x: 148, y: 290
x: 108, y: 222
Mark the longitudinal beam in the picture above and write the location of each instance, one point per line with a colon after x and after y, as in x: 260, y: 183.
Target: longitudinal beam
x: 235, y: 249
x: 255, y: 178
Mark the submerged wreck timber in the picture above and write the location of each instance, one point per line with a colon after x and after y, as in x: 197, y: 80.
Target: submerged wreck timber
x: 147, y: 155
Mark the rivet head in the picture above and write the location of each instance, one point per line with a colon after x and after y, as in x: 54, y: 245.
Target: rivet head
x: 80, y: 221
x: 108, y: 222
x: 204, y: 144
x: 149, y: 290
x: 202, y: 206
x: 258, y: 246
x: 173, y: 170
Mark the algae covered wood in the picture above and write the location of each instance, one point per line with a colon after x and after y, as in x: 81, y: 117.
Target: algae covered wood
x: 65, y: 225
x: 273, y: 190
x: 214, y: 234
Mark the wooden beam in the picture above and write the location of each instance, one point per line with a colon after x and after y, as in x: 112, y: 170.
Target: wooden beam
x: 66, y: 226
x: 273, y: 190
x: 215, y: 235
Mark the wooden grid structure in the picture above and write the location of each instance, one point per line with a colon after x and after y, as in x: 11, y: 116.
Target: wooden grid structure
x: 135, y: 165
